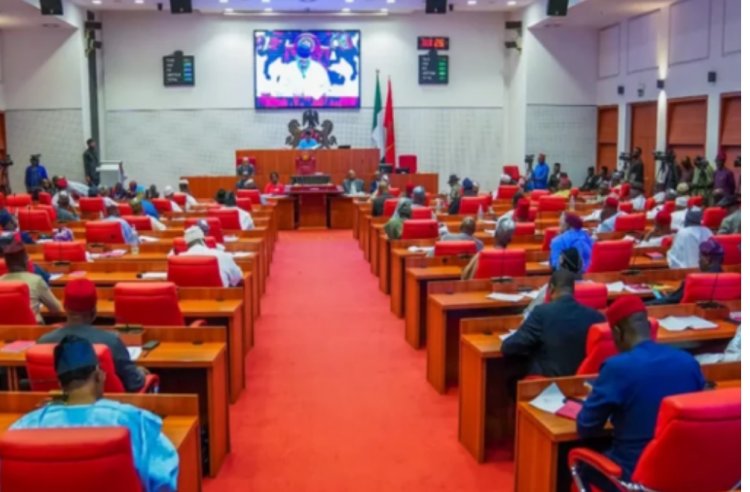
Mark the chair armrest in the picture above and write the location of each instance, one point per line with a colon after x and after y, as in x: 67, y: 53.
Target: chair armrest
x: 601, y: 463
x: 198, y: 323
x: 151, y: 385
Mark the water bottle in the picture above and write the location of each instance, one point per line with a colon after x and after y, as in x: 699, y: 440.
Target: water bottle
x: 135, y: 247
x: 480, y: 214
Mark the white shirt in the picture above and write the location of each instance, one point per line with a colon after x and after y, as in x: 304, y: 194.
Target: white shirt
x: 593, y: 216
x: 231, y: 274
x: 639, y: 203
x: 292, y: 82
x: 608, y: 225
x: 246, y: 221
x: 685, y: 250
x: 73, y: 201
x: 175, y: 207
x: 190, y: 202
x: 156, y: 224
x: 678, y: 219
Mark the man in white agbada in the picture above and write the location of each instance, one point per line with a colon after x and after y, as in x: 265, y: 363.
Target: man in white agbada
x: 303, y: 77
x: 685, y: 250
x: 678, y: 216
x: 169, y: 195
x: 231, y: 274
x: 190, y: 201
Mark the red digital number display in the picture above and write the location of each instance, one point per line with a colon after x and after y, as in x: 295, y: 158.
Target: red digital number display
x: 433, y: 43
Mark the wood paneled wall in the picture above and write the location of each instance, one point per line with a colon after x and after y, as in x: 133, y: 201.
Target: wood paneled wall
x: 606, y: 137
x: 730, y: 138
x: 643, y: 135
x: 686, y: 126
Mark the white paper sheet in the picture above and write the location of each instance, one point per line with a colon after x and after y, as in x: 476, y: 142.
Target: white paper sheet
x: 135, y: 352
x: 615, y: 287
x: 421, y: 249
x: 55, y: 276
x: 231, y: 239
x: 682, y: 323
x: 148, y: 239
x: 550, y: 400
x: 154, y: 276
x: 502, y: 296
x: 241, y: 254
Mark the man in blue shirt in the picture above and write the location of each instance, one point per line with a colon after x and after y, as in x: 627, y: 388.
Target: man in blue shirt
x: 571, y: 235
x: 308, y: 142
x: 630, y: 387
x: 540, y: 173
x: 35, y: 174
x: 128, y: 233
x: 77, y: 368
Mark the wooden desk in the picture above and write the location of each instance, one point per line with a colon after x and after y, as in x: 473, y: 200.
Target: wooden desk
x: 312, y: 205
x: 341, y: 212
x: 543, y: 439
x: 285, y: 212
x: 180, y: 424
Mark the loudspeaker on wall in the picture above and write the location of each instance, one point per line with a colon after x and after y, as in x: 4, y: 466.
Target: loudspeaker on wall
x: 181, y: 6
x: 51, y: 7
x: 436, y: 6
x: 557, y: 8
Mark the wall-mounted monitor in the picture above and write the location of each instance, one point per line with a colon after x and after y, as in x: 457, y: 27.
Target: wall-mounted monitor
x: 307, y: 69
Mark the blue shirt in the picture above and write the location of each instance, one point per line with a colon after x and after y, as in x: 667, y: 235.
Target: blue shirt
x: 307, y: 144
x: 629, y: 391
x: 572, y: 238
x: 128, y: 233
x: 154, y: 455
x: 149, y: 209
x: 34, y: 176
x: 539, y: 176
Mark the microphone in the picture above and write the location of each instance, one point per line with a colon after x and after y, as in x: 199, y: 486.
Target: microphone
x: 632, y: 270
x: 711, y: 303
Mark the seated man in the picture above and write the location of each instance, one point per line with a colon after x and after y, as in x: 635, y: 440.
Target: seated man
x: 503, y: 235
x: 608, y: 215
x: 245, y: 168
x: 83, y: 405
x: 169, y: 195
x: 731, y: 222
x: 631, y: 386
x: 352, y: 185
x: 395, y: 225
x: 571, y: 235
x: 419, y: 196
x: 553, y: 336
x: 637, y: 198
x: 40, y: 294
x: 711, y: 258
x: 564, y: 186
x: 592, y: 180
x: 684, y: 252
x: 378, y: 203
x: 128, y: 233
x: 246, y: 220
x: 231, y: 274
x: 190, y: 201
x: 662, y: 229
x: 80, y: 308
x: 307, y: 142
x: 466, y: 233
x: 274, y: 186
x: 137, y: 208
x: 65, y: 212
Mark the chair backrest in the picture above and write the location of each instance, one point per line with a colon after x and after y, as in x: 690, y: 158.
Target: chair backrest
x: 180, y: 246
x: 506, y: 192
x: 591, y: 294
x: 535, y: 195
x: 650, y: 203
x: 91, y: 204
x: 389, y: 206
x: 15, y: 304
x: 712, y: 287
x: 214, y: 227
x: 245, y: 204
x: 18, y: 200
x: 600, y: 346
x: 44, y: 198
x: 611, y: 256
x: 251, y: 160
x: 229, y: 218
x: 454, y: 248
x: 194, y: 271
x: 420, y: 229
x: 125, y: 209
x: 65, y: 251
x: 624, y: 191
x: 409, y: 162
x: 512, y: 171
x: 712, y: 217
x: 162, y: 205
x: 394, y: 191
x: 40, y: 365
x: 501, y: 263
x: 669, y: 206
x: 630, y: 222
x: 139, y: 222
x: 552, y: 203
x: 253, y: 195
x: 147, y: 303
x: 104, y: 231
x: 50, y: 211
x: 626, y: 207
x: 549, y: 235
x: 525, y: 228
x: 180, y: 199
x: 695, y: 201
x: 731, y: 245
x: 32, y: 219
x: 83, y: 459
x: 470, y: 204
x: 696, y: 444
x: 419, y: 212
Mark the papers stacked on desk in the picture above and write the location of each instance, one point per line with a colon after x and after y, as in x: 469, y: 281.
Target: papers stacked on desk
x: 638, y: 288
x: 615, y: 287
x: 135, y: 352
x: 154, y: 276
x: 148, y: 239
x: 504, y: 297
x: 55, y: 276
x: 241, y: 254
x: 421, y: 249
x: 552, y: 400
x: 682, y: 323
x: 115, y: 253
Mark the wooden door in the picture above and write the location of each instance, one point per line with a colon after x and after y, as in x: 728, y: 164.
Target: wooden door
x: 686, y: 126
x: 3, y: 146
x: 606, y: 137
x: 730, y: 140
x: 643, y: 135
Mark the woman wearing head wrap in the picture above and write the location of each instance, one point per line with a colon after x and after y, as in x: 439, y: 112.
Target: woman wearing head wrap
x: 684, y: 252
x: 571, y: 235
x: 395, y: 226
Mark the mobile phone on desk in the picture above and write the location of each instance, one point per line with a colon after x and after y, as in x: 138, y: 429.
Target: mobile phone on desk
x: 151, y: 345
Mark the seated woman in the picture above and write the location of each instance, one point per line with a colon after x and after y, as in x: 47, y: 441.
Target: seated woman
x: 274, y: 187
x: 395, y: 226
x: 17, y: 263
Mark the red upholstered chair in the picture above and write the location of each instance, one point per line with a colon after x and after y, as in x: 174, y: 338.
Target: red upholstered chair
x: 50, y: 211
x: 506, y: 192
x: 549, y: 235
x: 591, y: 294
x: 532, y: 213
x: 712, y: 217
x: 253, y: 195
x: 611, y: 256
x: 536, y: 194
x: 148, y: 303
x: 245, y: 204
x: 731, y: 245
x: 251, y: 159
x: 454, y: 248
x: 162, y: 205
x: 104, y: 231
x: 551, y: 203
x: 512, y: 171
x: 712, y: 287
x: 2, y: 200
x: 696, y: 446
x: 180, y: 246
x: 83, y: 459
x: 624, y: 191
x: 394, y: 191
x: 40, y: 365
x: 630, y: 222
x: 18, y: 200
x: 420, y: 229
x: 626, y: 207
x: 139, y: 222
x: 214, y: 227
x: 469, y: 205
x: 229, y: 218
x: 525, y: 229
x: 695, y: 201
x: 44, y: 198
x: 389, y: 206
x: 501, y: 263
x: 669, y: 206
x: 600, y: 346
x: 65, y: 251
x: 124, y: 209
x: 408, y: 162
x: 31, y: 219
x: 15, y: 305
x: 91, y: 205
x: 194, y: 271
x: 419, y: 212
x: 180, y: 199
x: 650, y: 203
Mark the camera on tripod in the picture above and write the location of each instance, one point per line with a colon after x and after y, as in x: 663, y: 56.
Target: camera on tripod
x: 6, y: 162
x: 529, y: 159
x: 626, y: 157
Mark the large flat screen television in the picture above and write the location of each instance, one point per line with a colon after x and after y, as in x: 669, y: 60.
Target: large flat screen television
x: 307, y: 69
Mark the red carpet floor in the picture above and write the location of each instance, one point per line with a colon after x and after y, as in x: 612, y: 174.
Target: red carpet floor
x: 335, y: 398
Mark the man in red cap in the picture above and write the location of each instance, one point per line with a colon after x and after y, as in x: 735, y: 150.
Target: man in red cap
x: 631, y: 386
x: 608, y: 215
x: 80, y: 308
x: 662, y: 229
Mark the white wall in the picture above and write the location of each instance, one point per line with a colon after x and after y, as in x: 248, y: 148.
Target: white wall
x: 682, y: 43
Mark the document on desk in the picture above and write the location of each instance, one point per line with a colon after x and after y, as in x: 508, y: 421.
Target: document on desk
x: 148, y: 239
x: 55, y: 276
x: 502, y: 296
x: 550, y: 400
x: 682, y: 323
x: 241, y: 254
x: 135, y: 352
x: 615, y: 287
x: 154, y: 276
x: 421, y: 249
x: 231, y: 239
x: 544, y: 263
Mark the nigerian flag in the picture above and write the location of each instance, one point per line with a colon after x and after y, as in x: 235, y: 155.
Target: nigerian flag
x: 378, y: 133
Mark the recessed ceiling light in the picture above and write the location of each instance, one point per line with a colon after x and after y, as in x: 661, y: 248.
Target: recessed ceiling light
x: 385, y: 11
x: 139, y: 2
x: 228, y: 11
x: 512, y: 3
x: 471, y: 2
x: 346, y: 10
x: 96, y: 2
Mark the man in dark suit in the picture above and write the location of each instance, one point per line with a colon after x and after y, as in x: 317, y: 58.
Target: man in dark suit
x: 553, y: 337
x: 91, y: 163
x: 352, y: 185
x: 379, y: 202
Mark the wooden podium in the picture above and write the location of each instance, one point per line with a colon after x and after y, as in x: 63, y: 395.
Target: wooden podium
x: 312, y: 205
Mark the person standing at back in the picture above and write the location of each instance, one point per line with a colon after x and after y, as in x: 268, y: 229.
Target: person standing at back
x: 540, y: 174
x: 35, y: 174
x: 553, y: 336
x: 635, y: 171
x: 630, y: 388
x: 91, y: 163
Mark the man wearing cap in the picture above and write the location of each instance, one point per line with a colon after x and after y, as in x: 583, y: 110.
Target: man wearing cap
x: 40, y: 294
x: 190, y: 201
x: 466, y: 232
x: 553, y: 336
x: 571, y: 235
x: 661, y: 230
x: 731, y: 222
x: 83, y: 405
x: 35, y: 174
x: 637, y: 198
x: 540, y: 174
x: 91, y: 163
x: 231, y: 274
x: 631, y: 386
x: 80, y: 308
x: 169, y: 195
x: 503, y: 234
x: 723, y: 177
x: 711, y: 257
x: 128, y: 233
x: 684, y: 252
x: 608, y: 215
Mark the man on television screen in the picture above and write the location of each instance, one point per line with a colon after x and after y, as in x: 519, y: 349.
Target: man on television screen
x: 304, y: 77
x: 307, y: 142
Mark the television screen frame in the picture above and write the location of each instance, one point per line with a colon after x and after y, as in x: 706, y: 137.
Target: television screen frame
x: 258, y: 66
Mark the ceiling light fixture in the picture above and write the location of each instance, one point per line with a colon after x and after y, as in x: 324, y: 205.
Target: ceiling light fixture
x: 223, y: 1
x: 268, y: 10
x: 349, y: 1
x: 228, y: 11
x: 512, y: 3
x: 139, y: 2
x: 391, y: 1
x: 96, y: 2
x: 471, y: 2
x: 346, y: 10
